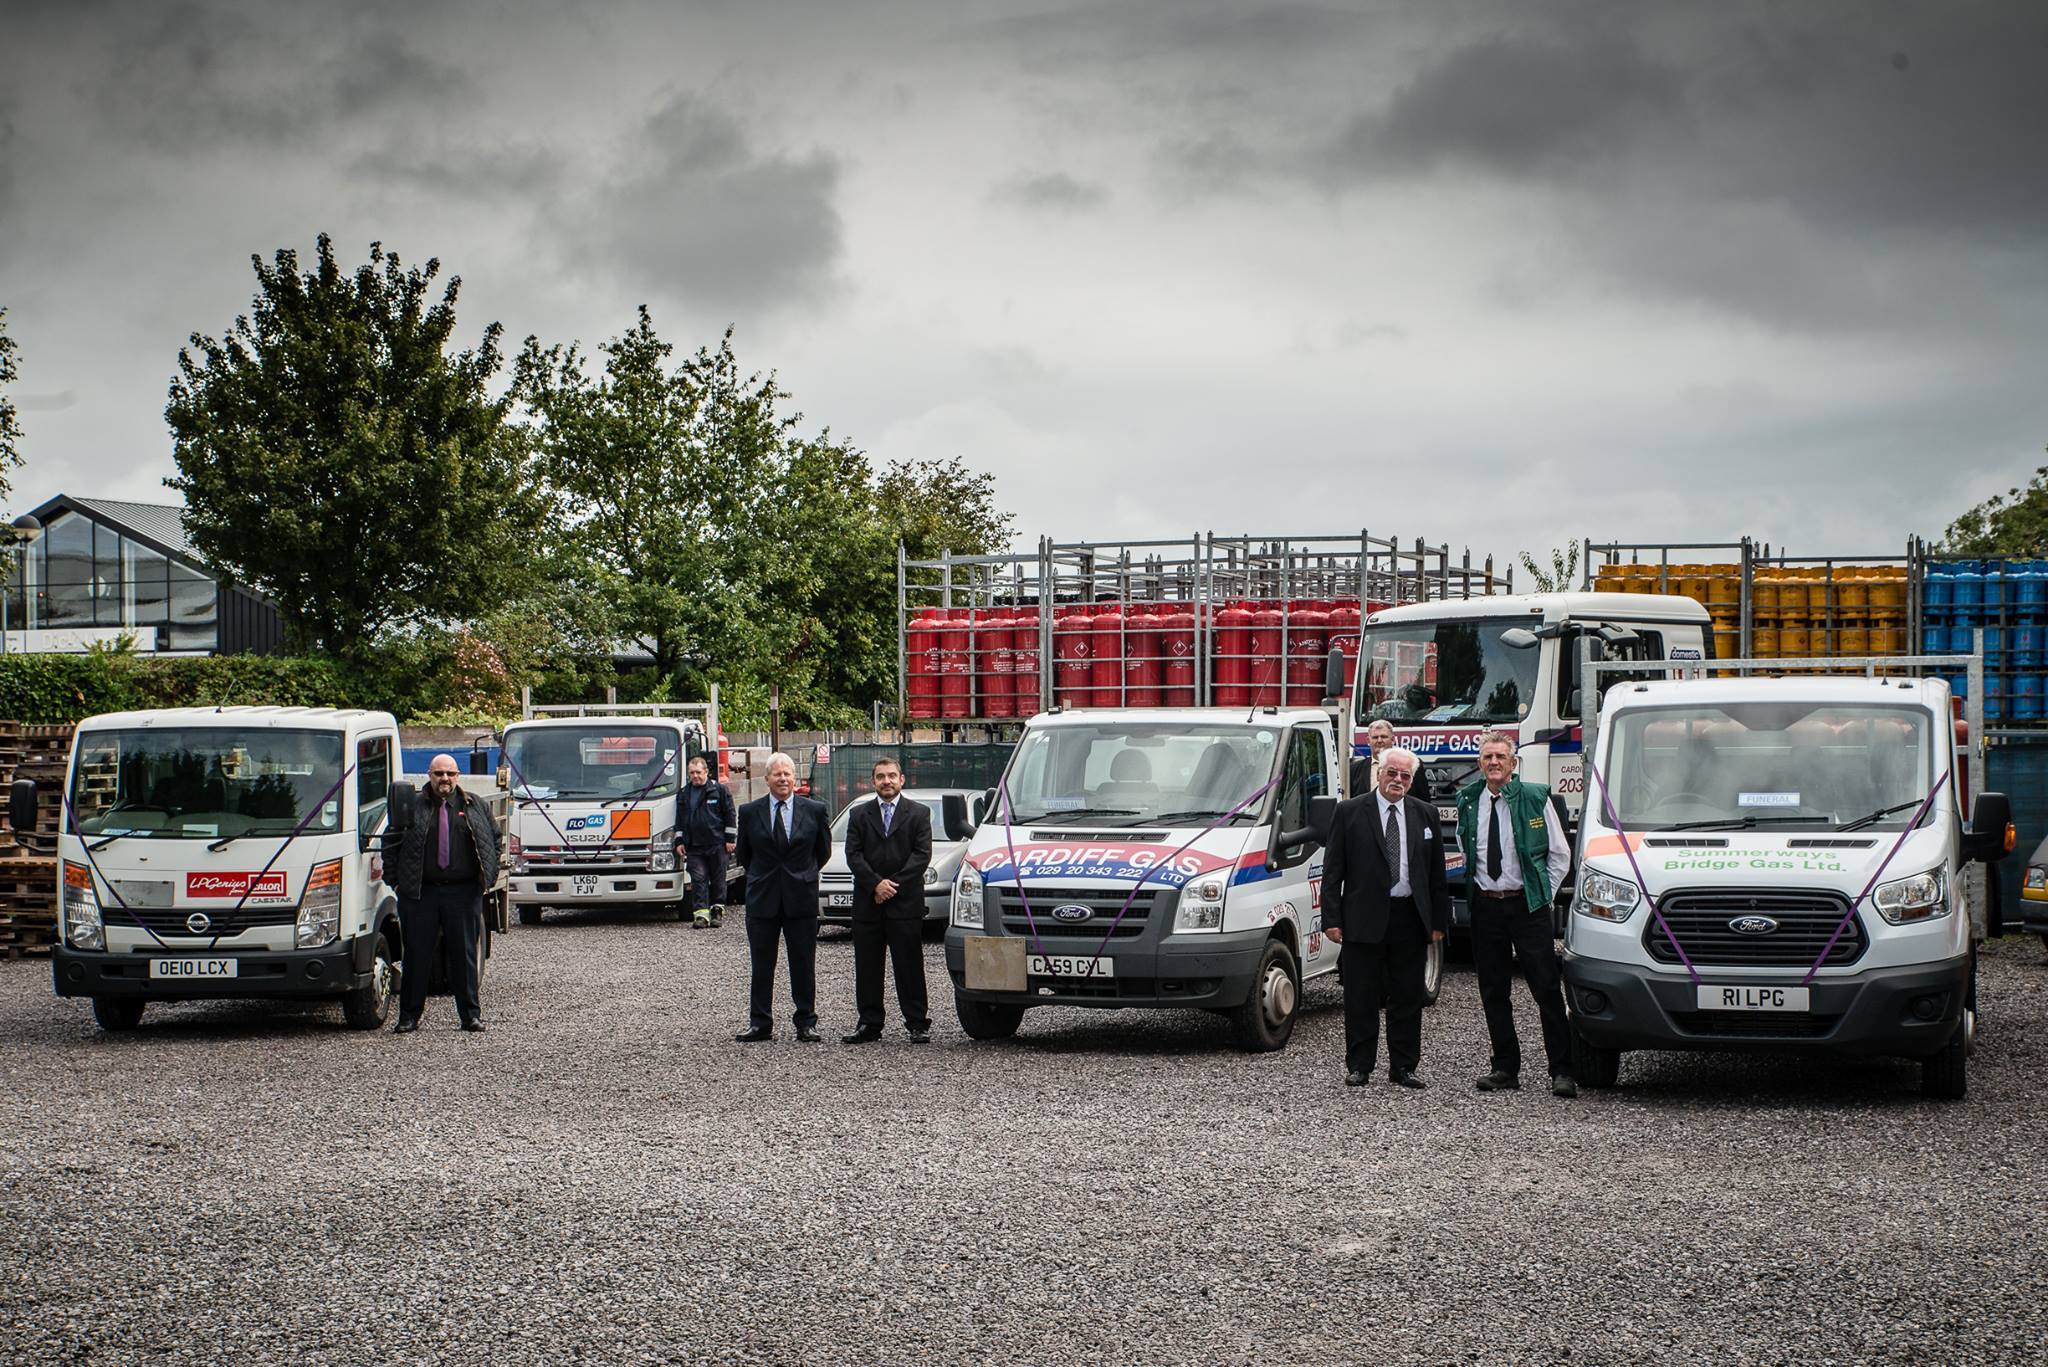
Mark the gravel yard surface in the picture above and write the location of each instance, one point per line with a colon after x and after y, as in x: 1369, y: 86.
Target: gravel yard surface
x: 606, y: 1177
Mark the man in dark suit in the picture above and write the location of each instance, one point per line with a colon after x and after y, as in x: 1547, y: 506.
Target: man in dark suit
x: 1384, y: 901
x: 783, y: 839
x: 889, y: 847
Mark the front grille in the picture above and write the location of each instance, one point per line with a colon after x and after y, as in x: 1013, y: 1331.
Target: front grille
x: 225, y: 921
x: 835, y: 880
x: 1709, y: 842
x: 1700, y: 919
x: 1753, y: 1024
x: 621, y: 860
x: 1102, y: 903
x: 1829, y: 843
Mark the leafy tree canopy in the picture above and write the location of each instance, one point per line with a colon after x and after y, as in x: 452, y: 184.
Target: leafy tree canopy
x: 10, y: 418
x: 2012, y: 523
x: 1562, y: 572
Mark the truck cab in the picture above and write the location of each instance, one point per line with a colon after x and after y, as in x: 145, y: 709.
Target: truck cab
x: 1780, y: 864
x: 1445, y: 673
x: 1149, y: 857
x: 227, y: 852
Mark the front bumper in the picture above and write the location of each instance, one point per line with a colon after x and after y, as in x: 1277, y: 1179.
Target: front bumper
x: 309, y: 973
x: 1174, y: 971
x: 1870, y: 1012
x: 559, y: 888
x: 2034, y: 913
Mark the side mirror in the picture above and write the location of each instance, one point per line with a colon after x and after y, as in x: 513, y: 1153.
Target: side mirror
x: 1989, y: 839
x: 959, y: 825
x: 405, y: 806
x: 1518, y: 638
x: 1333, y: 675
x: 21, y: 806
x: 1322, y: 810
x: 1575, y: 702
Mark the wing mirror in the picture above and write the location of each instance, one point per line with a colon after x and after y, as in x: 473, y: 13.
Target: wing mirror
x: 1519, y: 638
x: 959, y: 825
x: 1321, y: 809
x: 1333, y: 676
x: 21, y: 807
x: 1991, y: 835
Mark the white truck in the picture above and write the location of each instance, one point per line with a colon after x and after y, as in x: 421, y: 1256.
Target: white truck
x: 594, y: 804
x: 1782, y: 865
x: 212, y: 852
x: 1163, y: 857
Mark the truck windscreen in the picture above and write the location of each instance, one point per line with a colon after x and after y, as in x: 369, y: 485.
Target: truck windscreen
x: 1126, y: 774
x: 1444, y: 674
x: 593, y: 763
x: 1788, y: 765
x: 201, y: 782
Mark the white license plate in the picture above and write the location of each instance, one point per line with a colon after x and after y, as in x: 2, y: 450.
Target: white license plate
x: 583, y: 885
x: 1069, y: 966
x: 838, y: 899
x: 192, y: 968
x: 1726, y: 998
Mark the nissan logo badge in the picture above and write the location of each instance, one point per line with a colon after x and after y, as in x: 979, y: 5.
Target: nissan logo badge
x: 1752, y: 925
x: 197, y: 922
x: 1071, y: 912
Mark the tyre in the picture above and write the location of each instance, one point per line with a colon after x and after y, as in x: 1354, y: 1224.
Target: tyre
x: 530, y: 913
x: 1433, y: 971
x: 2044, y: 942
x: 116, y: 1014
x: 369, y: 1006
x: 987, y: 1020
x: 1593, y: 1065
x: 1946, y: 1076
x: 1265, y: 1021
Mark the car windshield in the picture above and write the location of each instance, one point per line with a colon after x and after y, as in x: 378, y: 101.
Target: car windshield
x: 593, y: 762
x: 929, y: 801
x: 1455, y: 673
x: 206, y: 782
x: 1129, y: 774
x: 1786, y: 765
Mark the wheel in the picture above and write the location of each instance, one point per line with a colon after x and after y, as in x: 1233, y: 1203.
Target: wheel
x: 369, y: 1006
x: 1593, y: 1065
x: 530, y: 913
x: 1433, y: 973
x: 1266, y: 1019
x: 987, y: 1020
x: 1946, y: 1076
x: 2044, y: 942
x: 116, y: 1014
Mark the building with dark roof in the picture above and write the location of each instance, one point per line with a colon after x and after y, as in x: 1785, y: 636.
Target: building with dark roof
x: 102, y: 567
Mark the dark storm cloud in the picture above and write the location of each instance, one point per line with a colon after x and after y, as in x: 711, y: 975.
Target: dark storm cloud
x: 695, y: 207
x: 1054, y: 190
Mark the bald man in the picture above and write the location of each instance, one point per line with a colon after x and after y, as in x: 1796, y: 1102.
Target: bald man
x: 444, y: 860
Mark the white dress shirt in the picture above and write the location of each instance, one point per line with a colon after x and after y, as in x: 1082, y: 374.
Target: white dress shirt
x: 1379, y: 833
x: 1559, y: 857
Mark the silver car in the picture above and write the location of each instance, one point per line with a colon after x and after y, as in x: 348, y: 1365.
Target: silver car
x: 835, y: 880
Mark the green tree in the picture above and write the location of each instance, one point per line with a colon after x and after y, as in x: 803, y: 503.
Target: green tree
x: 10, y: 419
x: 336, y: 456
x: 1562, y: 573
x: 2012, y: 523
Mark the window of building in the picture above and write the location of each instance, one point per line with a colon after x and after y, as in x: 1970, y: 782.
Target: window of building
x: 194, y: 625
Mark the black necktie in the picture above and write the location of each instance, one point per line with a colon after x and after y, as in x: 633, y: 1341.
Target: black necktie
x: 782, y: 821
x: 1390, y: 841
x: 1493, y: 836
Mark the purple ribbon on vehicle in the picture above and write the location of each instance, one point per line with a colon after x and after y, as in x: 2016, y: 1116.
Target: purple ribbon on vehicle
x: 547, y: 816
x: 1628, y: 848
x: 1847, y: 916
x: 1016, y: 869
x: 71, y: 816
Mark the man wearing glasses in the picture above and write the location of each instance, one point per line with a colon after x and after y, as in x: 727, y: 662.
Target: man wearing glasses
x: 1384, y: 901
x: 445, y: 859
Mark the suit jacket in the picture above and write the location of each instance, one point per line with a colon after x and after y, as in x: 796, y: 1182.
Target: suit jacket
x: 904, y: 854
x: 1357, y: 881
x: 782, y: 876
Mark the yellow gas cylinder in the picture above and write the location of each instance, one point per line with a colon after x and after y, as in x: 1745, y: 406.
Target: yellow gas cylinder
x: 1763, y: 597
x: 1855, y: 641
x: 1763, y: 643
x: 1795, y: 643
x: 1888, y: 590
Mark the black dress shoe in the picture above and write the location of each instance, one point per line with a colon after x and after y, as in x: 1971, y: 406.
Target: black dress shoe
x: 1357, y: 1079
x: 864, y: 1035
x: 406, y: 1025
x: 918, y: 1036
x: 807, y: 1035
x: 1404, y: 1078
x: 1561, y: 1084
x: 1498, y: 1081
x: 753, y: 1036
x: 474, y: 1025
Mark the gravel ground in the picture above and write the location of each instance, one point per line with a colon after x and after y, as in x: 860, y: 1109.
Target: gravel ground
x: 605, y: 1177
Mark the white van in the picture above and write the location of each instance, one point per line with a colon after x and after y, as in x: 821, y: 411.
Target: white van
x: 1780, y: 864
x: 1160, y: 857
x: 210, y: 852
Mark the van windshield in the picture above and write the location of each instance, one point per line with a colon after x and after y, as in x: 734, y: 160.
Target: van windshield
x: 1444, y: 674
x: 202, y: 782
x: 595, y: 762
x: 1789, y: 765
x: 1126, y: 774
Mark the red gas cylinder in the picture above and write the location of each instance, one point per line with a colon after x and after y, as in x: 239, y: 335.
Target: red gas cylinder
x: 1071, y: 644
x: 1024, y: 695
x: 992, y: 663
x: 921, y: 663
x: 1143, y: 669
x: 1268, y: 650
x: 1177, y: 644
x: 956, y: 677
x: 1308, y: 636
x: 1234, y: 656
x: 1106, y: 662
x: 1344, y: 636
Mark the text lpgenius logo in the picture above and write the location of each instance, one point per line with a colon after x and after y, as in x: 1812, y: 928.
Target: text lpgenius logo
x: 233, y: 885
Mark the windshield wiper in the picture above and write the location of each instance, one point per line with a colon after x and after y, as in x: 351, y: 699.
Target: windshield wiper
x: 96, y: 846
x: 633, y: 797
x: 1732, y: 823
x: 228, y: 840
x: 1195, y: 814
x: 1880, y: 814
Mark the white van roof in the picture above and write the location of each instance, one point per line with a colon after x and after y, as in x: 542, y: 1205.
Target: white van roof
x: 642, y: 719
x: 1192, y: 716
x: 245, y: 718
x: 1814, y: 688
x: 1551, y: 607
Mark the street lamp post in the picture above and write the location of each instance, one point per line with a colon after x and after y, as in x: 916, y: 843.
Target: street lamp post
x: 23, y: 530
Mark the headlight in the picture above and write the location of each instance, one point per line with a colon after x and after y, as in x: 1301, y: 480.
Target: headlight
x: 1201, y: 905
x: 661, y: 858
x: 2037, y: 877
x: 515, y: 854
x: 1921, y: 897
x: 967, y: 897
x: 320, y: 908
x: 1607, y: 899
x: 931, y: 877
x: 81, y: 909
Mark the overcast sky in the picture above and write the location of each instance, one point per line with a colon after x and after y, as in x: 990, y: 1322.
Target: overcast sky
x: 1494, y: 272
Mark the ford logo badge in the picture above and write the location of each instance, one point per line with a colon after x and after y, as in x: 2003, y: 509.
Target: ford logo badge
x: 197, y: 922
x: 1071, y: 912
x: 1752, y: 925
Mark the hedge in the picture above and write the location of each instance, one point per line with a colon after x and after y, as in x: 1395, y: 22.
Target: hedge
x: 45, y: 688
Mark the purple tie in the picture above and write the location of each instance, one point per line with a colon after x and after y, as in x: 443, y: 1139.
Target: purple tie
x: 444, y: 835
x: 888, y: 810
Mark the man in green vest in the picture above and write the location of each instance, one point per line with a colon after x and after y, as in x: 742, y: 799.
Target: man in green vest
x: 1515, y: 857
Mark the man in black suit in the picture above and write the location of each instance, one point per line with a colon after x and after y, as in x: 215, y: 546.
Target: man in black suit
x: 783, y: 839
x: 1384, y: 901
x: 888, y: 847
